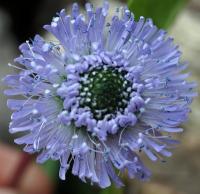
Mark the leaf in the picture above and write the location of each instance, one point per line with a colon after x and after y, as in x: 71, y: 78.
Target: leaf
x: 163, y: 12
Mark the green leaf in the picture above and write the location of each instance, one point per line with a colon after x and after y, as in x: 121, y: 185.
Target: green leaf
x: 163, y: 12
x: 51, y: 168
x: 112, y: 190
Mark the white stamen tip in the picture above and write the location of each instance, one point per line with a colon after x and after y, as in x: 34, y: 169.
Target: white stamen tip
x: 139, y: 141
x: 47, y: 91
x: 35, y: 111
x: 75, y: 136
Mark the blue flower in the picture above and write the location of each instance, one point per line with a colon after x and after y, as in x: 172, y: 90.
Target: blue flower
x: 100, y: 95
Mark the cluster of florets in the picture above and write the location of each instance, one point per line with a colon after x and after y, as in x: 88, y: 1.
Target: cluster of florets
x: 100, y: 96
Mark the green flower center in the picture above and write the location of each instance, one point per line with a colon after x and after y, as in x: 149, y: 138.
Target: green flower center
x: 105, y: 91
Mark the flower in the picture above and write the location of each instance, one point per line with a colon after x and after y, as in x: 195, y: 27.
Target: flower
x: 100, y: 95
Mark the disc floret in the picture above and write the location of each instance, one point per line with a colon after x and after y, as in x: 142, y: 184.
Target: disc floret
x: 105, y: 92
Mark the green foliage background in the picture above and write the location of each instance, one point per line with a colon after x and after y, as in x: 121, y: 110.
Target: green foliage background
x: 163, y: 12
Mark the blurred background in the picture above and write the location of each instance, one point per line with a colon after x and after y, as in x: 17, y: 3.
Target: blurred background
x: 21, y: 20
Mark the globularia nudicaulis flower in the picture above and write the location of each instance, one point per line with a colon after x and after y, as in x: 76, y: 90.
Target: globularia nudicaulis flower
x: 100, y: 95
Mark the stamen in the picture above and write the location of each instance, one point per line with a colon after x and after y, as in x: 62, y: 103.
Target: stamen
x: 27, y: 42
x: 16, y: 67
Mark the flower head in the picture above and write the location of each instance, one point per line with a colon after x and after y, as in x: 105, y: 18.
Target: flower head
x: 100, y: 95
